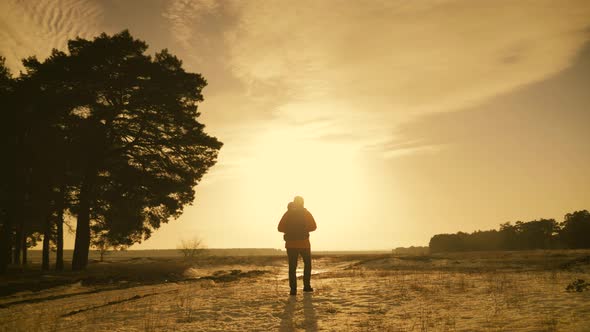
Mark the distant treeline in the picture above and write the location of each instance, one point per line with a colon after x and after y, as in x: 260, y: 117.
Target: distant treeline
x: 411, y: 251
x: 572, y: 233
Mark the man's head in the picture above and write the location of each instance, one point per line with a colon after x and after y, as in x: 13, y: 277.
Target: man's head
x: 298, y: 201
x: 290, y: 206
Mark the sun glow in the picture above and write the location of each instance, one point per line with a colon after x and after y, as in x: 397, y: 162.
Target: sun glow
x: 327, y: 175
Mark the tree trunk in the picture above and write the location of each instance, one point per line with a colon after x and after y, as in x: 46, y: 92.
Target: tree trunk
x: 25, y: 249
x: 5, y: 244
x: 59, y: 256
x: 18, y: 244
x: 46, y: 240
x: 82, y: 245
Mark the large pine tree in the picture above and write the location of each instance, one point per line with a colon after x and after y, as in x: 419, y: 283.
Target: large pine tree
x: 132, y: 147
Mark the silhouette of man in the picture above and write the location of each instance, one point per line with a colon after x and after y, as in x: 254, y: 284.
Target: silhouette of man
x: 296, y: 223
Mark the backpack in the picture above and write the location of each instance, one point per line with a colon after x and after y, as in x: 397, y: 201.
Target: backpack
x: 295, y: 225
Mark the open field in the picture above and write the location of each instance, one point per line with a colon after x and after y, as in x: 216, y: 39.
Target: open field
x: 500, y: 291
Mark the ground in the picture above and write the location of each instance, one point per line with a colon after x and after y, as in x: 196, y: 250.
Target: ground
x: 502, y: 291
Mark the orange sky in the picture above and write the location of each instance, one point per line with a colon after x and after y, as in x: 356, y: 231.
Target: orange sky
x: 396, y: 120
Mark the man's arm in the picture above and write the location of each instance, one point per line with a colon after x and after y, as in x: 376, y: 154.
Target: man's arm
x: 283, y: 223
x: 310, y: 224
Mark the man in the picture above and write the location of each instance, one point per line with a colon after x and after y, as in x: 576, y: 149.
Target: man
x: 296, y: 223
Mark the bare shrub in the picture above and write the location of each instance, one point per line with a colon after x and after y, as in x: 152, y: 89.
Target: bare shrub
x: 103, y: 245
x: 192, y: 248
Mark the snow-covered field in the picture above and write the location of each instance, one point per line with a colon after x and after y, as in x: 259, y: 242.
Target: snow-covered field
x: 448, y: 292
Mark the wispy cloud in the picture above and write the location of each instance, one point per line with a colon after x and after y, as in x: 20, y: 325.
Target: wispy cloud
x: 357, y: 71
x: 371, y: 66
x: 400, y: 147
x: 188, y: 23
x: 35, y: 27
x: 347, y: 70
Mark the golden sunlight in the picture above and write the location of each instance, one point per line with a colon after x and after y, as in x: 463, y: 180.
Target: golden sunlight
x: 327, y: 175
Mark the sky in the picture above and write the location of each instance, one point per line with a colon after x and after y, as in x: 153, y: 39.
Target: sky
x: 395, y: 119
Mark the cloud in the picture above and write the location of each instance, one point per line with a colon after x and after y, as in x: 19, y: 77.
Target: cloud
x: 343, y: 71
x: 542, y: 122
x: 354, y: 72
x: 190, y: 23
x: 396, y: 148
x: 371, y: 66
x: 35, y: 27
